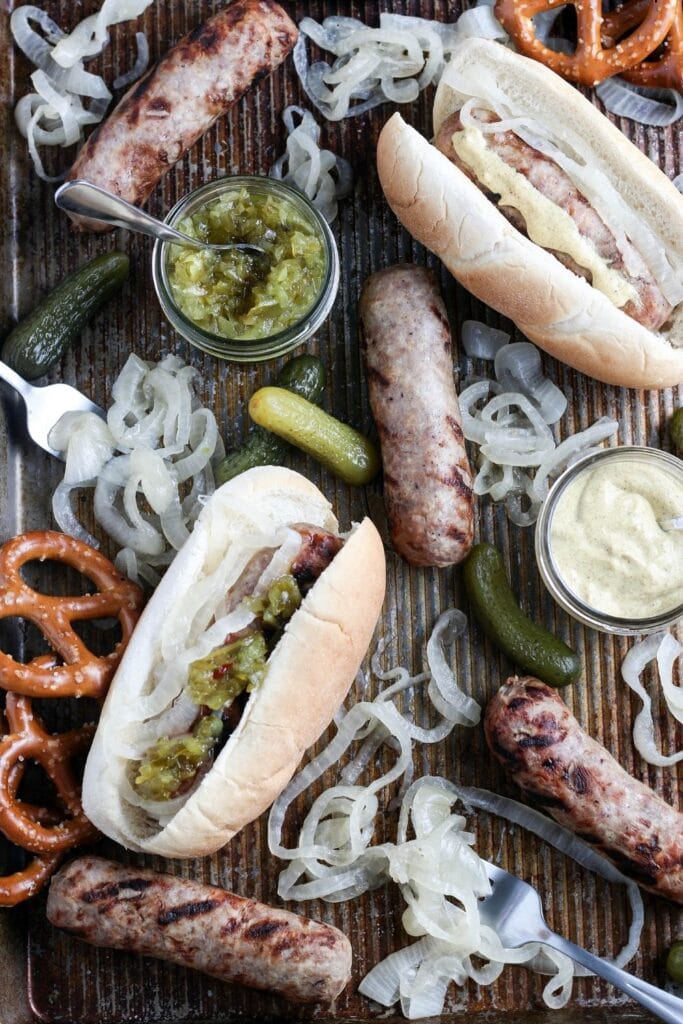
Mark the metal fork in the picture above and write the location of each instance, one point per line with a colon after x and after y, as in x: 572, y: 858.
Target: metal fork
x: 514, y: 911
x: 45, y: 405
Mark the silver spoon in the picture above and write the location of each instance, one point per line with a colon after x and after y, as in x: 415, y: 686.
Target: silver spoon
x: 87, y: 200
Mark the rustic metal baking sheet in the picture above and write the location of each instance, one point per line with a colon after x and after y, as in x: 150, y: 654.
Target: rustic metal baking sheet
x: 50, y: 976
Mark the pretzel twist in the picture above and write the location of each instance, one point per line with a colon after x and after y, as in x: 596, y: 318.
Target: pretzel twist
x: 22, y: 885
x: 74, y: 670
x: 28, y: 741
x: 592, y: 61
x: 662, y: 72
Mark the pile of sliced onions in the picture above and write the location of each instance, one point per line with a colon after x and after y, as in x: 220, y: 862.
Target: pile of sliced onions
x: 54, y: 114
x: 664, y: 650
x: 394, y: 62
x: 318, y: 173
x: 658, y: 107
x: 441, y: 879
x: 158, y: 444
x: 335, y: 860
x: 509, y: 419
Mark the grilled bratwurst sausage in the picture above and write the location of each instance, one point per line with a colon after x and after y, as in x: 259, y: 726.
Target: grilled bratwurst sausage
x: 200, y: 926
x: 533, y: 733
x: 651, y: 308
x: 197, y: 81
x: 427, y: 477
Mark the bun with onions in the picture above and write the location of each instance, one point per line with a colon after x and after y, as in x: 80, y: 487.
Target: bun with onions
x: 240, y: 660
x: 554, y: 218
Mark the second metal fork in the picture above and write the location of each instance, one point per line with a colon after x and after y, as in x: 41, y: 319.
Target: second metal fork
x: 514, y: 911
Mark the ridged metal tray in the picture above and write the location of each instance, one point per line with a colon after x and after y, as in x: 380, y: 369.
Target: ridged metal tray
x: 52, y: 977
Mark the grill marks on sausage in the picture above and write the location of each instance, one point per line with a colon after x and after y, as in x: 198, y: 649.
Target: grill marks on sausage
x: 201, y: 927
x: 263, y: 929
x: 106, y: 893
x: 173, y: 914
x: 532, y: 733
x: 177, y: 101
x: 427, y: 478
x: 651, y: 308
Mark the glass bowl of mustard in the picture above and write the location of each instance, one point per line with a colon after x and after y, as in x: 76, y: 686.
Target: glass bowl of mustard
x: 609, y: 540
x: 246, y: 306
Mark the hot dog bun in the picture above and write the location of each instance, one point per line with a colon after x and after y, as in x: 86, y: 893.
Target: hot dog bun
x: 560, y: 311
x: 308, y: 676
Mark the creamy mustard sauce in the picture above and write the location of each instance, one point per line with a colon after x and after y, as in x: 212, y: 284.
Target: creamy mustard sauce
x: 547, y: 224
x: 608, y: 542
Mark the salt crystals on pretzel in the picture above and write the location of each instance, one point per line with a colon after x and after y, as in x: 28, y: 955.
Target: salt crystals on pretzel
x: 44, y: 832
x: 73, y: 670
x: 69, y: 669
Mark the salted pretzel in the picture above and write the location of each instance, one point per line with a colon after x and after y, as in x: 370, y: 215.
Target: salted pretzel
x: 74, y: 670
x: 664, y: 71
x: 592, y: 61
x: 22, y: 885
x: 27, y: 740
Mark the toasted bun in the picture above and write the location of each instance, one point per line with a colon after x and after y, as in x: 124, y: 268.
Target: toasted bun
x: 309, y: 673
x: 555, y: 308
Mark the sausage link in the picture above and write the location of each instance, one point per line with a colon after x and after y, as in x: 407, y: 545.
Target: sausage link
x: 651, y: 308
x: 200, y: 926
x: 197, y: 81
x: 534, y: 734
x: 427, y: 477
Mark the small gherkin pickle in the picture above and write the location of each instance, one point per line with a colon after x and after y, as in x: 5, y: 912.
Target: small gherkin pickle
x: 171, y: 762
x: 276, y: 608
x: 346, y: 452
x: 227, y: 671
x: 677, y: 430
x: 674, y: 962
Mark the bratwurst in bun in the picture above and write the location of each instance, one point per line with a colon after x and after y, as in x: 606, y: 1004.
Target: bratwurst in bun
x: 237, y: 665
x: 540, y: 206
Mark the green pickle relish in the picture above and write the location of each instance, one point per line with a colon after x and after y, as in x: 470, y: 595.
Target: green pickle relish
x: 172, y: 762
x: 244, y: 295
x: 227, y: 671
x: 214, y: 681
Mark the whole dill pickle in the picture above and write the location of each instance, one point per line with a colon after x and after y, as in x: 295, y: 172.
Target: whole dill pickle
x: 495, y: 607
x: 305, y: 376
x: 346, y: 452
x: 41, y: 338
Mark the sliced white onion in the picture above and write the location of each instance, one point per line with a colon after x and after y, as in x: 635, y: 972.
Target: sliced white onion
x: 88, y: 444
x: 663, y: 650
x: 646, y: 106
x: 139, y: 67
x: 281, y: 562
x: 518, y: 368
x: 318, y: 173
x: 569, y: 449
x: 373, y: 65
x: 65, y: 517
x: 517, y: 452
x: 157, y: 437
x: 479, y: 340
x: 54, y: 115
x: 91, y: 36
x: 480, y: 23
x: 452, y: 934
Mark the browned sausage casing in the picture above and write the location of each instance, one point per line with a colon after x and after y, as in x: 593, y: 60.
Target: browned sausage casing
x: 427, y: 477
x: 200, y: 926
x: 197, y: 81
x: 534, y: 734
